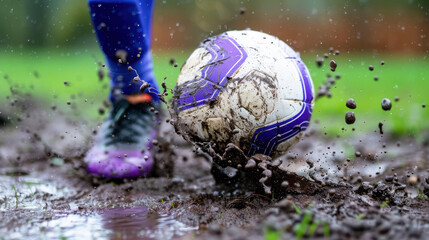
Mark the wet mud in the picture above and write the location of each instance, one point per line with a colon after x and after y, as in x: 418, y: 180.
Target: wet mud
x: 364, y: 186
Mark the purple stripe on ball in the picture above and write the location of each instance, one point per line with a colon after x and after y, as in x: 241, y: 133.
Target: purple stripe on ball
x: 266, y: 139
x: 306, y: 80
x: 227, y: 57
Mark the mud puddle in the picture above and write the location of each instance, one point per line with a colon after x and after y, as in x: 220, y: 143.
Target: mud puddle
x: 115, y: 223
x: 37, y: 205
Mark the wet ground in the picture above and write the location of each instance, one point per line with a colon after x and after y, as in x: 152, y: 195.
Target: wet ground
x: 360, y: 186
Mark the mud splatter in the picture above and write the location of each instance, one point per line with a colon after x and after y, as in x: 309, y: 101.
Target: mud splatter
x: 350, y: 117
x: 333, y: 65
x: 380, y: 127
x: 386, y: 104
x: 351, y: 103
x: 319, y: 62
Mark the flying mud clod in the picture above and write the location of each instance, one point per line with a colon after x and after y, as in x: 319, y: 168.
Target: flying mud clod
x: 386, y: 104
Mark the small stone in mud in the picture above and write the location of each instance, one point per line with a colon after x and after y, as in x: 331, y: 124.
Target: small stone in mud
x: 285, y: 184
x: 350, y: 117
x: 358, y: 154
x: 382, y: 63
x: 386, y: 104
x: 380, y: 127
x: 375, y: 78
x: 351, y: 103
x: 319, y: 62
x: 413, y: 179
x: 371, y: 68
x: 333, y: 65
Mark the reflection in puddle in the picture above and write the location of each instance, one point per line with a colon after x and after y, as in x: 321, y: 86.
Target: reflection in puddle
x: 118, y: 223
x: 135, y: 222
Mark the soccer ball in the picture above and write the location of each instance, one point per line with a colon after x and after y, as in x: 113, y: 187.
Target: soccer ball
x: 247, y: 88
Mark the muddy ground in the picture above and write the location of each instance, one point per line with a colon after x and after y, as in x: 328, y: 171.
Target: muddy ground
x: 359, y: 186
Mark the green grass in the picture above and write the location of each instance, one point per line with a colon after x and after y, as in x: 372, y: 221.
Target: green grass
x: 297, y: 209
x: 360, y: 216
x: 272, y: 234
x: 421, y: 195
x: 78, y: 68
x: 302, y: 227
x: 313, y: 227
x: 16, y: 195
x: 326, y: 229
x: 403, y: 76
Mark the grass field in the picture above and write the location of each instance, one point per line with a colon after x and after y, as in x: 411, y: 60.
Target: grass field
x: 403, y: 76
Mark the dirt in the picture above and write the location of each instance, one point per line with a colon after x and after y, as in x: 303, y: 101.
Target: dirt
x: 351, y: 103
x: 333, y: 65
x: 359, y: 186
x: 350, y: 117
x: 386, y: 104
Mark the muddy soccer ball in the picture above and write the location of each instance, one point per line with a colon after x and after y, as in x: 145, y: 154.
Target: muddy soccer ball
x: 246, y: 88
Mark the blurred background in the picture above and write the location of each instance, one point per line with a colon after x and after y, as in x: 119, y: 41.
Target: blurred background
x: 44, y: 43
x: 361, y: 25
